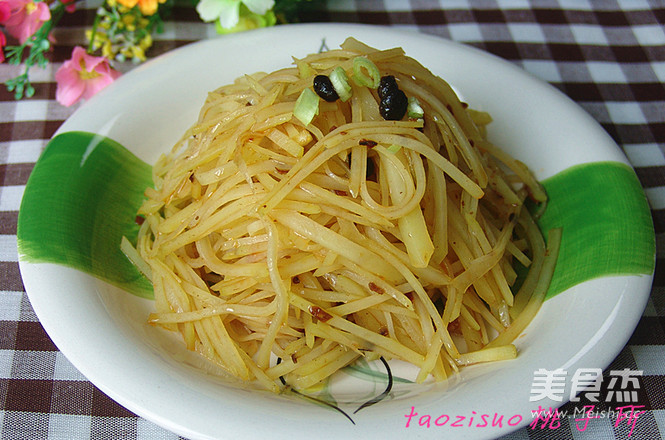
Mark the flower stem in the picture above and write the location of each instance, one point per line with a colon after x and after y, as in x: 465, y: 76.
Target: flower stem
x: 95, y: 25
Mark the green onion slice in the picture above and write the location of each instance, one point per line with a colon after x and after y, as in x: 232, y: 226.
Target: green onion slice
x: 413, y: 109
x: 340, y: 83
x: 307, y: 106
x: 394, y: 148
x: 365, y: 73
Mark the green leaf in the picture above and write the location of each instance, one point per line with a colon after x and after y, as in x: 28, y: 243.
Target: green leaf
x: 19, y: 91
x: 80, y: 200
x: 606, y: 223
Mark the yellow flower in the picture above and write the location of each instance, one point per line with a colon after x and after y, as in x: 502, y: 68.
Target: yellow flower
x: 147, y: 7
x: 146, y: 42
x: 107, y: 50
x: 129, y: 21
x: 138, y: 53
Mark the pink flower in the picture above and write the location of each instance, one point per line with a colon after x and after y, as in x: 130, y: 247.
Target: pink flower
x: 5, y: 11
x: 82, y: 76
x: 3, y: 42
x: 26, y: 18
x: 70, y: 5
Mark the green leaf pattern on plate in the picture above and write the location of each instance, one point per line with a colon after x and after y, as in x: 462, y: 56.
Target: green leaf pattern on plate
x: 605, y: 220
x: 81, y: 198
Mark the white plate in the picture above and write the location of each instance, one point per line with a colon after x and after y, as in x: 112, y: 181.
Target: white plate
x: 102, y: 330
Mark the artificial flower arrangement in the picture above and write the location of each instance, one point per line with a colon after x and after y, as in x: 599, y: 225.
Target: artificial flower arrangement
x: 122, y: 31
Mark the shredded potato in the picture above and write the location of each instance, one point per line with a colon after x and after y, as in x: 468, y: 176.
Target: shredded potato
x: 283, y: 251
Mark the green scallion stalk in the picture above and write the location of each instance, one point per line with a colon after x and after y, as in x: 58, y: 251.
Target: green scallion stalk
x: 365, y: 73
x: 340, y: 82
x: 394, y: 148
x: 307, y: 106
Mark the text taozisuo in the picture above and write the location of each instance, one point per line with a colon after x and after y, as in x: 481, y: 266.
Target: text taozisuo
x: 474, y: 420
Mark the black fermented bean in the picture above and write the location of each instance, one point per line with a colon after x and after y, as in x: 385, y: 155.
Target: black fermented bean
x: 393, y: 106
x: 324, y: 88
x: 386, y: 86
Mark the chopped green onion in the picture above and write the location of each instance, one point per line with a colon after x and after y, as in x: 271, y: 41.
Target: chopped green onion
x: 394, y: 148
x: 340, y: 83
x: 307, y: 106
x: 365, y: 73
x: 413, y: 109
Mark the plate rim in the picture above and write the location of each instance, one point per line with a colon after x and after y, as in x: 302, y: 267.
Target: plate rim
x: 328, y: 28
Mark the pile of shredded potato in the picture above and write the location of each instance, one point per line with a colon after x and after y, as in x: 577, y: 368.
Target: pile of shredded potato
x: 283, y: 249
